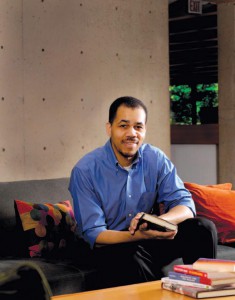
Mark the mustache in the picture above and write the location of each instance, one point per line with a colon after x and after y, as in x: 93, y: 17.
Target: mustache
x: 131, y: 139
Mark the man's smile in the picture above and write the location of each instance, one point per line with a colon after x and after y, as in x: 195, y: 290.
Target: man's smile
x: 130, y: 143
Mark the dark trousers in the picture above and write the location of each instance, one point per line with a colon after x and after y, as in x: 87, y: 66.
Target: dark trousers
x: 141, y: 261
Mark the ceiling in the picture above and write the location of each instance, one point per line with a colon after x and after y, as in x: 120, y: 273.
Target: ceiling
x: 193, y: 43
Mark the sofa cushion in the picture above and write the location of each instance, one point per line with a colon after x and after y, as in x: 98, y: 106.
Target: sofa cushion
x: 21, y: 280
x: 48, y: 227
x: 216, y: 203
x: 63, y: 276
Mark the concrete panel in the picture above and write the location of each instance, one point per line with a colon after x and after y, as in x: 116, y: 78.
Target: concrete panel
x: 196, y: 163
x: 226, y: 40
x: 78, y: 57
x: 11, y: 91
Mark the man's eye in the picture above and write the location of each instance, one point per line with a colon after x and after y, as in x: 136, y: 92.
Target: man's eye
x: 123, y: 126
x: 139, y: 127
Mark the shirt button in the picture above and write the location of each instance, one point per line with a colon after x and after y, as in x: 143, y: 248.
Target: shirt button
x: 129, y: 215
x: 129, y: 196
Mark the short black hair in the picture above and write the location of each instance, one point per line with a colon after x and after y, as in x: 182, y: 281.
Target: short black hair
x: 128, y: 102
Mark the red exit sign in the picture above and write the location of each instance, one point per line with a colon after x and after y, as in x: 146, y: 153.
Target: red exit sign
x: 195, y: 6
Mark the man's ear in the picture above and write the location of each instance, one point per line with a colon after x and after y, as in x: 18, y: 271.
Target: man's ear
x: 108, y: 129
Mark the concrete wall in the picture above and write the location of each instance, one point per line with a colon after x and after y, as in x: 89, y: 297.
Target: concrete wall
x: 62, y: 63
x: 196, y: 163
x: 226, y: 72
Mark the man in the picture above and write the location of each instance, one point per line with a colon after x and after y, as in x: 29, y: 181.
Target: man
x: 114, y: 184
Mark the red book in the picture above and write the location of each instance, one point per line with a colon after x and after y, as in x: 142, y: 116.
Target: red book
x: 213, y: 278
x: 188, y: 269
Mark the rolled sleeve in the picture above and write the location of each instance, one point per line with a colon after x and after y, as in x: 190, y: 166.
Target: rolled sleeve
x: 87, y: 207
x: 172, y: 191
x: 91, y: 235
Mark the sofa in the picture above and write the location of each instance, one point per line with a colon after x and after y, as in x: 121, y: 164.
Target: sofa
x: 69, y: 267
x: 69, y: 271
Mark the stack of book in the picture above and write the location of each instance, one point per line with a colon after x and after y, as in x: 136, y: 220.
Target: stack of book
x: 204, y: 279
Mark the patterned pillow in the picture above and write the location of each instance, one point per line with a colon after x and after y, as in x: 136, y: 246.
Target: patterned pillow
x: 48, y: 228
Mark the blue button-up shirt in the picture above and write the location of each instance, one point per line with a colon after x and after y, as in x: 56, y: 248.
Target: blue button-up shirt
x: 107, y: 196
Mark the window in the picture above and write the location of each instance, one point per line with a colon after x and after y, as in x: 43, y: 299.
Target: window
x: 194, y: 104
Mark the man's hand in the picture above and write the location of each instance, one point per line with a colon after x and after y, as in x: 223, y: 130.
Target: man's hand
x: 148, y: 233
x: 135, y: 224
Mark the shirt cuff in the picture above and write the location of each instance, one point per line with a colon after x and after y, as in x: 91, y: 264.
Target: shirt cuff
x: 90, y: 235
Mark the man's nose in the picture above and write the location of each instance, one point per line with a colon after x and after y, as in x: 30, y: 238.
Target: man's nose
x: 131, y: 131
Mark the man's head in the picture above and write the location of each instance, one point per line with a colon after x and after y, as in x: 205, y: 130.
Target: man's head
x: 126, y: 128
x: 128, y: 102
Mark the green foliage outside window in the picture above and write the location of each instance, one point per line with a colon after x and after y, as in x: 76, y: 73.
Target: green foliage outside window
x: 190, y: 103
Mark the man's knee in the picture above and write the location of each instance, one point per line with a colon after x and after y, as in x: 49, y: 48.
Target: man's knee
x: 207, y: 224
x: 198, y: 227
x: 201, y: 234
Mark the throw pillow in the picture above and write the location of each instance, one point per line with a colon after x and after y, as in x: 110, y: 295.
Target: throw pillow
x: 222, y: 186
x: 48, y: 228
x: 216, y: 203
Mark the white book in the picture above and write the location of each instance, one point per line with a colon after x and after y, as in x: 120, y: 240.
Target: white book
x: 188, y: 283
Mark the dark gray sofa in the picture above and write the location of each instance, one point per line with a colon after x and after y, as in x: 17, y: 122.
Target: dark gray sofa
x: 69, y: 274
x: 72, y: 273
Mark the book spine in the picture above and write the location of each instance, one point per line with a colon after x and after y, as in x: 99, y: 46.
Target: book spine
x: 185, y: 270
x: 178, y: 289
x: 186, y: 283
x: 190, y: 278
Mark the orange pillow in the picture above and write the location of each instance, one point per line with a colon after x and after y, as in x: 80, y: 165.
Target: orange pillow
x: 216, y: 203
x: 222, y: 186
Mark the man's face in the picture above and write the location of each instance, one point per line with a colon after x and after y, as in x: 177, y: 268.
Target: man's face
x: 127, y: 133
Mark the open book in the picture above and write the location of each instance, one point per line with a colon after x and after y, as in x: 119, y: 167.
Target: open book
x: 156, y: 223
